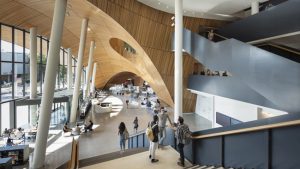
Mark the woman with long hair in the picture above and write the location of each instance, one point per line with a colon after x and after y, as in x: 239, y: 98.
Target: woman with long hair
x: 123, y: 133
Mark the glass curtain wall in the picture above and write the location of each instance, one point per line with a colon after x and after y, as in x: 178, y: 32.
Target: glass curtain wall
x: 15, y: 75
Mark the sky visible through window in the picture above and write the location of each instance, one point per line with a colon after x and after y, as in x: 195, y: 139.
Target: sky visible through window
x: 6, y: 47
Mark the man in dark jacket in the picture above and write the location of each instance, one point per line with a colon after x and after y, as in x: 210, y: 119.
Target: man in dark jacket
x: 181, y: 134
x: 154, y: 142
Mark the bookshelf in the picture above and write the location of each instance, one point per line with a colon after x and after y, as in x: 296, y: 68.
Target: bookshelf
x: 5, y: 163
x: 19, y: 154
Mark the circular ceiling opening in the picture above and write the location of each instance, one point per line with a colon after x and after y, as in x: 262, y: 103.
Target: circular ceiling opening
x: 122, y: 47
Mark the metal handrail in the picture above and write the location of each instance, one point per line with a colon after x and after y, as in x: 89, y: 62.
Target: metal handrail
x: 250, y: 129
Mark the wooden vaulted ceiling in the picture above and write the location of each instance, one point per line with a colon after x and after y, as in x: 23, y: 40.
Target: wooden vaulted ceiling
x: 152, y: 29
x: 147, y: 30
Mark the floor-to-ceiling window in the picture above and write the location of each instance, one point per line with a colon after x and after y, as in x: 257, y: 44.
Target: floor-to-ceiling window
x: 15, y: 73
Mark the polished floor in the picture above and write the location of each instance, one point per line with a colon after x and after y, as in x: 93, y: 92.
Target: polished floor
x: 105, y: 138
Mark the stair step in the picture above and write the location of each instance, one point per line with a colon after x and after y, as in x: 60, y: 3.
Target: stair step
x: 202, y: 167
x: 211, y: 167
x: 110, y: 156
x: 191, y: 167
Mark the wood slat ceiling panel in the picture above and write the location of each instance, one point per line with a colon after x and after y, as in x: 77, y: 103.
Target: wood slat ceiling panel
x: 149, y: 30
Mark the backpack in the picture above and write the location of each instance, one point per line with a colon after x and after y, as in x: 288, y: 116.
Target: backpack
x: 186, y: 139
x: 149, y: 132
x: 126, y: 134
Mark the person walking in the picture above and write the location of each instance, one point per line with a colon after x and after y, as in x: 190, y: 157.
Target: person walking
x: 163, y: 116
x: 182, y: 134
x: 123, y: 133
x: 135, y: 124
x: 154, y: 142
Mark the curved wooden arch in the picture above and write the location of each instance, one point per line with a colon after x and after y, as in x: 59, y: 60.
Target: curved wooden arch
x: 118, y: 79
x: 152, y: 29
x: 28, y: 13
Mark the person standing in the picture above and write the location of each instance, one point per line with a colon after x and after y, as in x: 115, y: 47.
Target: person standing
x: 182, y: 131
x: 210, y: 35
x: 135, y: 124
x: 163, y: 116
x: 127, y: 103
x: 154, y: 142
x: 123, y: 134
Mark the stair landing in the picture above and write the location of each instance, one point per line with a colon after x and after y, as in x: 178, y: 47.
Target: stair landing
x: 167, y: 156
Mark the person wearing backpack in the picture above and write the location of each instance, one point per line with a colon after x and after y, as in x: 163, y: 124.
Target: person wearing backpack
x: 154, y: 142
x: 182, y: 135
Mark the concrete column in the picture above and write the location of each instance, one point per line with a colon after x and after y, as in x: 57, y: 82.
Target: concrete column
x: 49, y: 84
x: 83, y: 82
x: 33, y: 74
x: 94, y: 77
x: 214, y: 111
x: 74, y: 105
x: 178, y: 60
x: 33, y: 63
x: 69, y: 75
x: 89, y: 69
x: 254, y: 7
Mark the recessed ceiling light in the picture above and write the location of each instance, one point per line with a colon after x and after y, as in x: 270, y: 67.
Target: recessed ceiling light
x: 158, y: 3
x: 167, y: 7
x: 89, y: 29
x: 224, y: 15
x: 184, y: 11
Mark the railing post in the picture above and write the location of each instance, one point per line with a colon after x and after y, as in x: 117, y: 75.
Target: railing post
x: 137, y: 141
x: 128, y: 142
x: 143, y: 139
x: 269, y: 148
x: 132, y: 143
x: 222, y: 151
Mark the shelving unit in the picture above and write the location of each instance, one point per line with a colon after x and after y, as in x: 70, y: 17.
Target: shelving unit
x: 18, y: 153
x: 5, y: 163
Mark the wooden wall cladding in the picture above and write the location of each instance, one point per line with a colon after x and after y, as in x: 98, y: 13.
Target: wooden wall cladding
x: 103, y: 28
x: 152, y: 29
x: 146, y: 29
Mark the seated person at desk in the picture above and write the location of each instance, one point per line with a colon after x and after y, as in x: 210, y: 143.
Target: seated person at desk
x: 19, y: 133
x: 76, y: 130
x: 6, y: 133
x: 88, y: 126
x: 66, y: 129
x: 9, y: 142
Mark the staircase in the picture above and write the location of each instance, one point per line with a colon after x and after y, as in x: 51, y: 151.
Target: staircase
x: 258, y: 76
x: 208, y: 167
x: 133, y: 159
x: 110, y: 156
